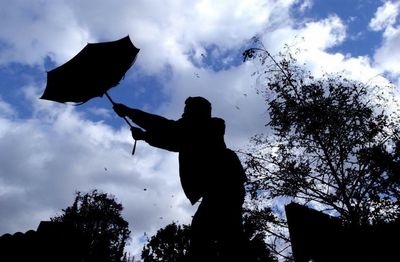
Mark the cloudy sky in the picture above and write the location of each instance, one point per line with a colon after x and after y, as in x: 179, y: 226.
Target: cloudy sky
x: 187, y: 48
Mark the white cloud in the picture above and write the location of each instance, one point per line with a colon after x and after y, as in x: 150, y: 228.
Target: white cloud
x: 385, y: 16
x: 387, y: 56
x: 306, y: 4
x: 31, y: 31
x: 165, y: 31
x: 6, y: 110
x: 102, y: 112
x: 313, y: 40
x: 310, y: 36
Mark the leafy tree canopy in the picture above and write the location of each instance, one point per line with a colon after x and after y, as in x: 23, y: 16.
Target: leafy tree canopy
x: 334, y: 143
x: 170, y: 243
x: 97, y: 216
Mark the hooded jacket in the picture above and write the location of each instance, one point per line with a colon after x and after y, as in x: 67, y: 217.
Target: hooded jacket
x: 205, y: 163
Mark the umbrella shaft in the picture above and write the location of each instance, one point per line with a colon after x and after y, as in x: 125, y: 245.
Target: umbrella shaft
x: 126, y: 120
x: 112, y: 102
x: 109, y: 98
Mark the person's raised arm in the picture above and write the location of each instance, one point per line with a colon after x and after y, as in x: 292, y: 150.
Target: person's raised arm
x: 143, y: 119
x: 159, y: 131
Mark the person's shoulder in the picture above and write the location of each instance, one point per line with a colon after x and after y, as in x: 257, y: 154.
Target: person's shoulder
x: 216, y: 121
x: 218, y: 124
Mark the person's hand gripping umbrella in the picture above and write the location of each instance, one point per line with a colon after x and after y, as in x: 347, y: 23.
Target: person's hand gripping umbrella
x: 91, y: 73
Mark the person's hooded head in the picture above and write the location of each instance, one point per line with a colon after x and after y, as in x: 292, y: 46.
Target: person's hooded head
x: 197, y: 108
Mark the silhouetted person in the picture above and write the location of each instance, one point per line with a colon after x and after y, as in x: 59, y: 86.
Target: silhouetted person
x: 208, y: 171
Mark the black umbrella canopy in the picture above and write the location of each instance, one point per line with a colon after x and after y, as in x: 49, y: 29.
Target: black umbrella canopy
x: 93, y: 71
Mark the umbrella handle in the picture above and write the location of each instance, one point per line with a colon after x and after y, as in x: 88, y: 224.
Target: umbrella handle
x: 134, y: 147
x: 126, y: 120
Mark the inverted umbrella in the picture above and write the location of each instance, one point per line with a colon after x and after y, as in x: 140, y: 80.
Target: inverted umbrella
x: 91, y: 73
x: 94, y: 70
